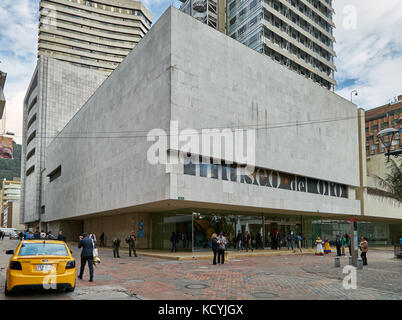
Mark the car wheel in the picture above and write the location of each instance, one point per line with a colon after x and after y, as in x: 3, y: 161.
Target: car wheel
x: 6, y: 291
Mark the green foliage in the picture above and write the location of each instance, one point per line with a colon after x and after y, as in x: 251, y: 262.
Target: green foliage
x: 10, y: 168
x: 393, y: 180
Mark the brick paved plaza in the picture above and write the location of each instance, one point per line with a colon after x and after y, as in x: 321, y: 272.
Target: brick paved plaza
x: 291, y: 276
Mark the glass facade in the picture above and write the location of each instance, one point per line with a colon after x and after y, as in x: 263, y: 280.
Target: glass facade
x: 261, y: 227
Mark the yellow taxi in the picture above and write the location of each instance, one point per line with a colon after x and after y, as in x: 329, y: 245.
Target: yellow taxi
x: 43, y: 264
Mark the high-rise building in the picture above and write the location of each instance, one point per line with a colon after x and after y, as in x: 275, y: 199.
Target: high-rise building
x: 94, y: 34
x: 381, y: 118
x: 210, y: 12
x: 10, y: 198
x: 3, y: 77
x: 296, y: 33
x: 80, y: 43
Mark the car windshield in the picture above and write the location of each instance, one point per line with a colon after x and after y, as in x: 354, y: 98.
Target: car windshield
x: 45, y: 249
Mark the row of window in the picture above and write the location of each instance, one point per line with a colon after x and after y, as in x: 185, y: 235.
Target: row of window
x: 117, y: 9
x: 71, y: 55
x: 59, y: 45
x: 45, y: 12
x: 89, y: 43
x: 83, y: 33
x: 55, y: 22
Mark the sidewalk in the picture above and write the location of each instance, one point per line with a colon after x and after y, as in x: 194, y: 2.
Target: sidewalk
x: 200, y: 255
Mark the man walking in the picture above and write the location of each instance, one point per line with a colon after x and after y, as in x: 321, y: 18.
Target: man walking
x: 247, y: 241
x: 61, y: 236
x: 338, y: 244
x: 239, y: 241
x: 291, y: 241
x: 116, y: 247
x: 173, y: 240
x: 131, y: 239
x: 299, y: 242
x: 86, y: 255
x: 102, y: 240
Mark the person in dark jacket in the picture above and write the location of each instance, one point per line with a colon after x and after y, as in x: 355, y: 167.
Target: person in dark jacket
x: 61, y: 236
x: 214, y: 245
x: 338, y: 244
x: 116, y: 247
x: 239, y: 240
x: 36, y: 235
x: 87, y: 255
x: 131, y: 239
x: 173, y: 240
x: 102, y: 240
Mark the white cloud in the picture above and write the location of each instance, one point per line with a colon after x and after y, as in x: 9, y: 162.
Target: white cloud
x: 371, y: 54
x: 369, y: 57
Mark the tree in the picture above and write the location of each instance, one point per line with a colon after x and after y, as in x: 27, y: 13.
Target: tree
x: 393, y: 181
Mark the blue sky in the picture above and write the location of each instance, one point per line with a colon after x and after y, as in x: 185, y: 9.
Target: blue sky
x: 368, y: 46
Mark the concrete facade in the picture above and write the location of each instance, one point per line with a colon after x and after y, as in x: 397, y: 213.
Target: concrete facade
x: 56, y: 92
x: 172, y: 76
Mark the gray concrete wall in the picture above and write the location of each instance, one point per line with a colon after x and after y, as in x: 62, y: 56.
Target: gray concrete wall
x: 104, y: 167
x: 173, y: 74
x: 61, y: 91
x: 238, y: 87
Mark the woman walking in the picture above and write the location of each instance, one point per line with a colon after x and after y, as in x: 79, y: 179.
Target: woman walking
x: 221, y: 248
x: 214, y: 246
x: 364, y: 248
x: 327, y: 247
x: 319, y: 251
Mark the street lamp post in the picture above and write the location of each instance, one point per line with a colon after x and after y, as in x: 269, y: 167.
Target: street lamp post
x: 386, y: 137
x: 351, y: 95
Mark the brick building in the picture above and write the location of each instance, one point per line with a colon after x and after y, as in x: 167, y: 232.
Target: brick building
x: 381, y: 118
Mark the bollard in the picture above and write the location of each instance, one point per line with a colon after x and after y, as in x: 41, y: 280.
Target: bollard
x: 360, y: 263
x: 351, y: 261
x: 337, y: 262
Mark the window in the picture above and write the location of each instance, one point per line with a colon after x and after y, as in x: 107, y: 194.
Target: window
x: 30, y: 170
x: 55, y: 174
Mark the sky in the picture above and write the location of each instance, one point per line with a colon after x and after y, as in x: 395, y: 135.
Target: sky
x: 368, y: 45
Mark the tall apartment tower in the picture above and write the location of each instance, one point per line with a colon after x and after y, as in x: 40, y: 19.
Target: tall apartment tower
x: 296, y: 33
x: 210, y: 12
x: 3, y: 77
x: 80, y: 43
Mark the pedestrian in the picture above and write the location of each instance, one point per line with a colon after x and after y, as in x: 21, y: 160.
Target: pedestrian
x: 364, y: 248
x: 50, y: 235
x: 37, y: 235
x: 43, y: 234
x: 247, y: 241
x: 319, y: 251
x: 131, y: 239
x: 299, y: 242
x: 338, y: 244
x: 184, y: 239
x: 102, y: 240
x: 1, y: 235
x: 61, y: 236
x: 214, y: 246
x: 87, y: 255
x: 327, y: 247
x: 259, y: 244
x: 343, y: 242
x: 116, y: 247
x: 93, y: 237
x: 21, y: 235
x: 221, y: 248
x: 350, y: 245
x: 291, y: 241
x: 173, y: 240
x: 278, y: 240
x: 239, y: 238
